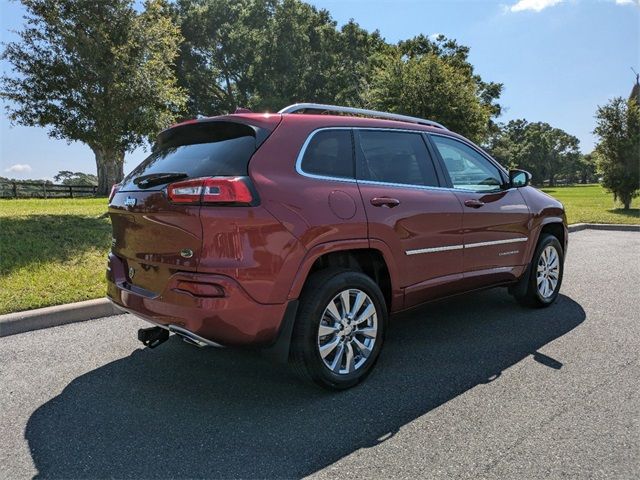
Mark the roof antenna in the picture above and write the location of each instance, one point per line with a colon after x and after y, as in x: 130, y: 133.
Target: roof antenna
x: 637, y: 74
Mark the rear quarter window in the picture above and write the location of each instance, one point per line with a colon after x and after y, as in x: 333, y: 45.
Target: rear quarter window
x: 329, y: 153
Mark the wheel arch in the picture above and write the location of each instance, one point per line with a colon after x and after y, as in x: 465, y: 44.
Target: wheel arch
x: 374, y: 261
x: 555, y: 226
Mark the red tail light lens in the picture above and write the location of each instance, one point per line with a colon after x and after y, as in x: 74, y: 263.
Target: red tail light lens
x: 114, y: 190
x: 211, y: 190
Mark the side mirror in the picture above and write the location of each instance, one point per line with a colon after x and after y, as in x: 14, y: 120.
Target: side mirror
x: 519, y: 178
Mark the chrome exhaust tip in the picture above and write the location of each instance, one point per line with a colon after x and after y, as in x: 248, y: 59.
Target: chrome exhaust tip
x: 191, y: 338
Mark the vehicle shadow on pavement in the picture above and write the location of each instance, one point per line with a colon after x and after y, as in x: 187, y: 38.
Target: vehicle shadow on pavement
x: 179, y: 411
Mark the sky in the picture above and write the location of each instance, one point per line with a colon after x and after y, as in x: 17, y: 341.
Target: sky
x: 558, y: 60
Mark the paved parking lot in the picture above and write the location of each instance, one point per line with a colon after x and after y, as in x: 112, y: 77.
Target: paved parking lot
x: 476, y: 387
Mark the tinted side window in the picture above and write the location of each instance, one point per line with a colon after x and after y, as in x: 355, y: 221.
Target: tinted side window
x: 467, y: 168
x: 330, y: 154
x: 395, y: 157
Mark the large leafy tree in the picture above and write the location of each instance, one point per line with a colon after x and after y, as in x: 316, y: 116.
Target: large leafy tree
x: 97, y: 72
x: 434, y: 79
x: 265, y: 54
x: 538, y: 147
x: 618, y: 150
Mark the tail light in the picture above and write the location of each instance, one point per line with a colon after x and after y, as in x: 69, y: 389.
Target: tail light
x: 211, y: 190
x: 114, y: 190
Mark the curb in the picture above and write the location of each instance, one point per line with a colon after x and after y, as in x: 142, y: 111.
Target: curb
x: 26, y: 321
x: 621, y: 227
x: 21, y: 322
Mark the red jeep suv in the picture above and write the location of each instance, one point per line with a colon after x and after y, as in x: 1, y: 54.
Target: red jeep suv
x: 301, y: 232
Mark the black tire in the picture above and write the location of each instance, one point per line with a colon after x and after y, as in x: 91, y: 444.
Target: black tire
x: 320, y: 289
x: 526, y: 291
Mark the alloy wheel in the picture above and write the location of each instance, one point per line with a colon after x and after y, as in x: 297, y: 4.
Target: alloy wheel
x: 548, y: 272
x: 348, y: 331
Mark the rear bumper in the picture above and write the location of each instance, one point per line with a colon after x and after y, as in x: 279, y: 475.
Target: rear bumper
x: 222, y: 312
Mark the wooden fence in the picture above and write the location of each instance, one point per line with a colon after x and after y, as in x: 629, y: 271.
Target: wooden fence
x: 45, y: 190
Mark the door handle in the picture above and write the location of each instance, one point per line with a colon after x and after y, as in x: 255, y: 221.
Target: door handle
x: 385, y: 202
x: 474, y: 203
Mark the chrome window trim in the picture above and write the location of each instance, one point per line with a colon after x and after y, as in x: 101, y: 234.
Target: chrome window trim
x: 465, y: 246
x: 303, y: 150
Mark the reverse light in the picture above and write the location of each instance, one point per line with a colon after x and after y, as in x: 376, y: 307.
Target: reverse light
x: 114, y: 190
x: 211, y: 190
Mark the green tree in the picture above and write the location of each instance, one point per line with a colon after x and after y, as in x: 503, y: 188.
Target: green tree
x: 618, y: 149
x: 456, y: 55
x: 587, y: 168
x: 430, y: 86
x: 265, y: 54
x: 67, y: 177
x: 97, y: 72
x: 538, y: 147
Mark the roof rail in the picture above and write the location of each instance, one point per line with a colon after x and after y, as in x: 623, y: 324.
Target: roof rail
x: 296, y: 107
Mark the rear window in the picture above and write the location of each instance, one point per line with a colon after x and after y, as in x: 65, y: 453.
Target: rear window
x: 330, y: 154
x: 199, y: 150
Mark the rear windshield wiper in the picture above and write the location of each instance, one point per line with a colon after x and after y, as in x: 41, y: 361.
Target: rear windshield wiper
x: 152, y: 179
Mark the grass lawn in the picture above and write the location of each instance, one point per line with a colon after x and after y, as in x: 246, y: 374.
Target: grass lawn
x: 591, y: 204
x: 52, y: 251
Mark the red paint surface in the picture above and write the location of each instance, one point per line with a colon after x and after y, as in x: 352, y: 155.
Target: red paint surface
x: 259, y: 256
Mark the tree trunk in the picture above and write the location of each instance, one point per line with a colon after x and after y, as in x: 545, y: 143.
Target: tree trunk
x: 110, y: 167
x: 626, y: 200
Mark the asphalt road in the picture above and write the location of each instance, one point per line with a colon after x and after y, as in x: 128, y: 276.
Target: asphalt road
x: 476, y: 387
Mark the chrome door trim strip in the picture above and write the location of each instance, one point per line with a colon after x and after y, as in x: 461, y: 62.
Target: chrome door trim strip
x: 434, y: 249
x: 469, y: 245
x: 496, y: 242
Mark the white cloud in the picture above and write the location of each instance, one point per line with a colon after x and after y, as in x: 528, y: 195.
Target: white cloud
x: 19, y: 168
x: 535, y: 5
x: 628, y: 2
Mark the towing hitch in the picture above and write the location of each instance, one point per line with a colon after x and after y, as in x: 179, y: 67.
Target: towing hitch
x: 152, y: 337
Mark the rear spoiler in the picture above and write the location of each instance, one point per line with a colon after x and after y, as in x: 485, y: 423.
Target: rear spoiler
x: 261, y: 124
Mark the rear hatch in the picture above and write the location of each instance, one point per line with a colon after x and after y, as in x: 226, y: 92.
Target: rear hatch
x: 156, y: 227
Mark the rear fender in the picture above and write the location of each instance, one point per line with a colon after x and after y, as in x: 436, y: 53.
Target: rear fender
x: 316, y: 252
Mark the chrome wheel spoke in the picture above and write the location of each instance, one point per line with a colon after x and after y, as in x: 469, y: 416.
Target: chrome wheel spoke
x: 370, y: 332
x: 357, y: 304
x: 368, y: 312
x: 337, y: 360
x: 327, y: 330
x: 329, y: 347
x: 345, y: 301
x: 349, y: 365
x: 333, y: 311
x: 366, y: 351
